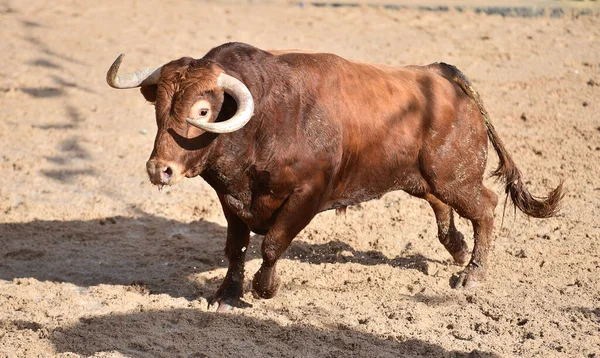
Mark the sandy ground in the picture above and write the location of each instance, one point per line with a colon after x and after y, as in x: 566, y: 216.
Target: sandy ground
x: 95, y: 261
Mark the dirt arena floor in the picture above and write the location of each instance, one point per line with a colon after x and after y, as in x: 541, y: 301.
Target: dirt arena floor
x: 95, y: 261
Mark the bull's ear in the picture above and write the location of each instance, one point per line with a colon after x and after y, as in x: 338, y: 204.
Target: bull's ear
x: 149, y: 92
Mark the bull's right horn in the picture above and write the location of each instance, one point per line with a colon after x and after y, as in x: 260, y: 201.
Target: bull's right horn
x: 145, y: 77
x: 245, y: 103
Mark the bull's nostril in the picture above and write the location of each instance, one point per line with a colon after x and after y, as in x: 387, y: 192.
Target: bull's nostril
x: 162, y: 172
x: 168, y: 171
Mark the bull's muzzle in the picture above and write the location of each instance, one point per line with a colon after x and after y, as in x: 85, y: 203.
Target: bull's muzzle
x: 163, y: 172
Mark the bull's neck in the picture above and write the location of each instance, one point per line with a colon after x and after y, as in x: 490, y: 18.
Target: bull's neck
x: 227, y: 160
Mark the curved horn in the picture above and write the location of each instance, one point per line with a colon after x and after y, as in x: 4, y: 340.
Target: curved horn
x: 145, y: 77
x: 245, y: 103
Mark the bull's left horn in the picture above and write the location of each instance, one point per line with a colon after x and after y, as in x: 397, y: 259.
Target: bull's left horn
x: 245, y: 103
x: 145, y: 77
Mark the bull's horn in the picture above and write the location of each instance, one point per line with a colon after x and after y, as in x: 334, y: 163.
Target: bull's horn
x: 245, y: 103
x: 145, y: 77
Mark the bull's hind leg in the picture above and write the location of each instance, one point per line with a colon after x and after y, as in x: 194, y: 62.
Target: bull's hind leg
x: 451, y: 238
x: 476, y: 203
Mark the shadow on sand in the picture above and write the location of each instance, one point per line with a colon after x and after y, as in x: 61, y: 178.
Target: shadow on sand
x: 190, y: 333
x: 152, y: 251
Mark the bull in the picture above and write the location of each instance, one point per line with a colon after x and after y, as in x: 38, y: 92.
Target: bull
x: 282, y: 136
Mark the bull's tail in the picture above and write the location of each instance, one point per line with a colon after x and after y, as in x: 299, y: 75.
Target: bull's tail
x: 538, y: 207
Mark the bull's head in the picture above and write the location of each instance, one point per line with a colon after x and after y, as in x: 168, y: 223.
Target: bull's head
x: 188, y: 96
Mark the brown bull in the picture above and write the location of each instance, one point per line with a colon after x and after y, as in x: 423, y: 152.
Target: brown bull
x: 283, y: 136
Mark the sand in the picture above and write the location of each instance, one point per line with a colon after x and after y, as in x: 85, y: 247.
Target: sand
x: 95, y: 261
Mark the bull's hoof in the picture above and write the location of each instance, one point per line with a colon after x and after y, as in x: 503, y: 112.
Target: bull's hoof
x: 469, y: 278
x: 266, y: 283
x: 229, y: 295
x: 224, y: 307
x: 227, y: 305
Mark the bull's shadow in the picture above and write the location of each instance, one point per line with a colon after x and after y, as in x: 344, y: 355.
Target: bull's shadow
x: 151, y: 251
x: 191, y: 333
x: 341, y: 252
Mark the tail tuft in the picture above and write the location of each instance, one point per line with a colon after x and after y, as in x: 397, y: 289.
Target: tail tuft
x: 537, y: 207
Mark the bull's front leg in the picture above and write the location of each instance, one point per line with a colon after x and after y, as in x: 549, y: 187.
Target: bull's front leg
x: 238, y: 237
x: 299, y: 209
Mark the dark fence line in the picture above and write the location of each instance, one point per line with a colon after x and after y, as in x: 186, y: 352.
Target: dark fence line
x: 506, y: 11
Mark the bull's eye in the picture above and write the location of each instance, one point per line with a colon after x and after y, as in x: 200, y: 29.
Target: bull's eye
x: 202, y: 109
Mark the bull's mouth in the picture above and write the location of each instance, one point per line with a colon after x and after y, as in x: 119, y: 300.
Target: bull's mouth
x: 161, y: 182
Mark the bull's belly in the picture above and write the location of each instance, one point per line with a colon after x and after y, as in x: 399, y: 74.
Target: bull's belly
x: 358, y: 191
x: 259, y: 210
